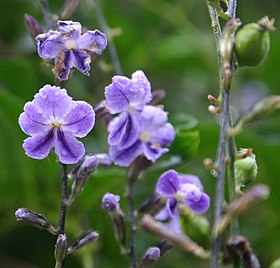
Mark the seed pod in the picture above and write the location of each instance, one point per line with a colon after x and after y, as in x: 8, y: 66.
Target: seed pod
x: 253, y: 42
x: 245, y: 168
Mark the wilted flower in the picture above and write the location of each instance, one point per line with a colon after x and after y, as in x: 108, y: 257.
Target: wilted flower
x: 184, y: 189
x: 70, y: 48
x: 154, y: 134
x: 53, y: 119
x: 127, y: 97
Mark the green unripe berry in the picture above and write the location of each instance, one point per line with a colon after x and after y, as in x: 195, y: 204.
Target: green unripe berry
x: 252, y: 42
x: 245, y: 168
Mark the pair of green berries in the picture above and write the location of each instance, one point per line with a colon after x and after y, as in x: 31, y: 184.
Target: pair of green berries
x: 252, y: 42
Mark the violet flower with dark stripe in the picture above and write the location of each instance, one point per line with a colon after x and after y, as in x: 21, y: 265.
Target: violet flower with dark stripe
x: 153, y: 135
x: 128, y: 98
x: 181, y: 189
x: 70, y: 48
x: 53, y: 120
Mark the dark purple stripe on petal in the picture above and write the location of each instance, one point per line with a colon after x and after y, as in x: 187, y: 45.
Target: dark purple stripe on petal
x: 82, y: 61
x: 44, y: 142
x: 65, y: 65
x: 61, y: 138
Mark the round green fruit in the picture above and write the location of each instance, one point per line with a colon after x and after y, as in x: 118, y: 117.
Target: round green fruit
x: 252, y: 42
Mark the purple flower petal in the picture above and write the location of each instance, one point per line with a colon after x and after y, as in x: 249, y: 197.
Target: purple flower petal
x: 116, y: 100
x: 124, y: 131
x: 172, y: 207
x: 31, y: 121
x: 154, y: 122
x: 63, y: 63
x: 192, y: 179
x: 125, y: 157
x: 168, y: 184
x: 79, y: 120
x: 49, y: 45
x: 53, y: 102
x: 200, y: 206
x: 39, y: 146
x: 154, y: 151
x: 82, y: 61
x: 93, y: 41
x: 140, y: 92
x: 68, y: 148
x: 69, y: 27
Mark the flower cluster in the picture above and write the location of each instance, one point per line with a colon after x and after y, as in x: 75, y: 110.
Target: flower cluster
x: 70, y: 48
x: 53, y: 120
x: 139, y: 128
x: 182, y: 189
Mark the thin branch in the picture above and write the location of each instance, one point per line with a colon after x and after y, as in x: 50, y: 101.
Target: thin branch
x: 63, y: 208
x: 106, y: 29
x: 231, y: 11
x: 132, y: 223
x: 220, y: 185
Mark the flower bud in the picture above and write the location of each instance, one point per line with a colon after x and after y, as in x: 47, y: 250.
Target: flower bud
x: 253, y: 42
x: 110, y: 202
x: 83, y: 240
x: 151, y: 256
x: 35, y: 219
x: 32, y: 26
x: 245, y: 168
x: 60, y: 249
x: 103, y: 160
x: 86, y: 168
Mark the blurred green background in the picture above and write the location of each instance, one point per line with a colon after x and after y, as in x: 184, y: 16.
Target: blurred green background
x: 172, y: 42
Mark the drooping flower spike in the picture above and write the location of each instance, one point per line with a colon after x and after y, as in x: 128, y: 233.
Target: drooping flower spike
x: 70, y: 48
x: 153, y: 135
x: 53, y: 120
x: 182, y: 188
x: 128, y: 98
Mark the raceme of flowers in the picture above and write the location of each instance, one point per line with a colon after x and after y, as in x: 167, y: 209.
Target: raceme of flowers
x: 70, y: 48
x: 183, y: 189
x: 139, y: 128
x: 54, y: 120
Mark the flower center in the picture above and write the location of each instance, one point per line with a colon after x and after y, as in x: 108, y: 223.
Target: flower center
x: 56, y: 125
x: 190, y: 192
x: 71, y: 44
x: 145, y: 136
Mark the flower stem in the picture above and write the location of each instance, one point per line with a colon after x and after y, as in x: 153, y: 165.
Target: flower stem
x: 219, y: 201
x: 63, y: 207
x: 132, y: 223
x: 106, y: 29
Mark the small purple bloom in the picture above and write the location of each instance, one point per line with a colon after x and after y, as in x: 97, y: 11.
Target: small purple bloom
x: 154, y: 134
x: 53, y: 120
x: 185, y: 189
x: 127, y: 97
x: 110, y: 202
x: 70, y: 48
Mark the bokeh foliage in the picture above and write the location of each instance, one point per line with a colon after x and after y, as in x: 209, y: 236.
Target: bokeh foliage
x: 172, y: 42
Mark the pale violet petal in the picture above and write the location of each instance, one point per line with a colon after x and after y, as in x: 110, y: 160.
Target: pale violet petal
x: 200, y: 206
x: 93, y: 41
x: 168, y: 184
x: 39, y: 146
x: 80, y: 120
x: 68, y: 148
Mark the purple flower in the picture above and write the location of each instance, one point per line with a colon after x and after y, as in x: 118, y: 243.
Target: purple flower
x: 154, y: 133
x: 185, y: 189
x: 53, y: 119
x: 127, y: 97
x: 70, y: 48
x: 110, y: 202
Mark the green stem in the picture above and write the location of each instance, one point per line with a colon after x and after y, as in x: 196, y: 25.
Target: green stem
x: 111, y: 45
x: 63, y: 207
